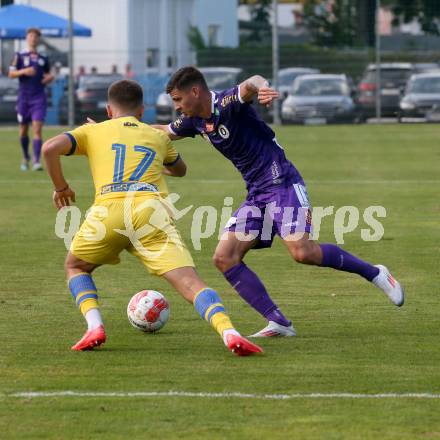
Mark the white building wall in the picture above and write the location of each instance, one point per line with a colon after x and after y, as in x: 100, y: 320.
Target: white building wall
x: 221, y: 13
x: 127, y: 31
x: 159, y: 28
x: 108, y: 21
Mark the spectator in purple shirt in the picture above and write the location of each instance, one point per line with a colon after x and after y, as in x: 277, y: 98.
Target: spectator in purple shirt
x: 277, y: 202
x: 33, y: 72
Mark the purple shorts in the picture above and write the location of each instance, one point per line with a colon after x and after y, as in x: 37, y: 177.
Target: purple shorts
x: 279, y: 211
x: 31, y: 109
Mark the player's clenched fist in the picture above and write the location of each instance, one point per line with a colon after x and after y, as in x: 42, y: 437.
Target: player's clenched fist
x: 63, y: 197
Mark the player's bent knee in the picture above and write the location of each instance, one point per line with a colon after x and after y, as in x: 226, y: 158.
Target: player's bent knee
x: 224, y: 262
x: 74, y: 263
x: 302, y: 254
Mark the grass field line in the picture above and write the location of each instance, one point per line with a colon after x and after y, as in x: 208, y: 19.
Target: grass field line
x: 41, y: 394
x: 217, y: 181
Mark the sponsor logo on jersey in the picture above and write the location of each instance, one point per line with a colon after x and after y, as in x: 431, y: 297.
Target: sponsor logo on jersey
x: 223, y: 131
x: 226, y: 100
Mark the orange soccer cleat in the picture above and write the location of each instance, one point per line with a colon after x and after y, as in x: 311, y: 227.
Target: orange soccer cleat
x: 241, y: 346
x: 91, y: 339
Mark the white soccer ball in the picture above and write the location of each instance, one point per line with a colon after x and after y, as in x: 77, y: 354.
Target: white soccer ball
x: 148, y: 311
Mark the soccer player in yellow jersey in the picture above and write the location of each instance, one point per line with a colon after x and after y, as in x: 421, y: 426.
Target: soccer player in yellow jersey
x: 128, y: 160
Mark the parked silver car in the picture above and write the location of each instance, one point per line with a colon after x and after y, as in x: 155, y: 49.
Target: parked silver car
x: 421, y: 98
x: 318, y: 99
x: 288, y: 75
x: 217, y: 78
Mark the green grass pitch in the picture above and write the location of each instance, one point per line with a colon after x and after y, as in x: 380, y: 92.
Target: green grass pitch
x: 350, y: 338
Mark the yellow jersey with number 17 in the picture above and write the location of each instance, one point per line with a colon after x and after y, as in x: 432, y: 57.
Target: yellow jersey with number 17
x: 124, y: 154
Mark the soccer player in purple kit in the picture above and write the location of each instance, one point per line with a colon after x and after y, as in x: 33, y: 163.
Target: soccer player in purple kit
x: 277, y: 197
x: 33, y: 72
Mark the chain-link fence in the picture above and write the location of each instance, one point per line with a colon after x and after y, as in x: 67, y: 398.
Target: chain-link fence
x: 344, y: 45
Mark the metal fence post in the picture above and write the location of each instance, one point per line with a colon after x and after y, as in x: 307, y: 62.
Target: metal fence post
x: 275, y: 61
x: 71, y: 100
x: 378, y: 60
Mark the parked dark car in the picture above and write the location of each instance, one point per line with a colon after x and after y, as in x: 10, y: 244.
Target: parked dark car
x: 318, y: 99
x: 217, y: 78
x: 8, y: 99
x: 288, y: 75
x: 421, y: 98
x: 90, y: 97
x: 393, y: 78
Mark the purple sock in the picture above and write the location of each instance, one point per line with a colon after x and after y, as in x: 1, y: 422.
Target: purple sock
x: 335, y: 257
x: 24, y: 141
x: 36, y: 146
x: 252, y: 290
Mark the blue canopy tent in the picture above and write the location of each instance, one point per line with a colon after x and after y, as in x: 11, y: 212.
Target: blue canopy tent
x: 15, y: 19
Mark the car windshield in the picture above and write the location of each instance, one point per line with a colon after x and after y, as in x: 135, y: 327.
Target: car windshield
x: 220, y: 80
x: 286, y: 79
x: 320, y: 87
x: 97, y: 82
x: 425, y: 85
x: 395, y: 76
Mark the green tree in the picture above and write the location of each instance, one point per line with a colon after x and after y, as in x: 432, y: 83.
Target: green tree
x: 366, y: 21
x: 332, y: 22
x: 426, y: 12
x: 195, y: 38
x: 260, y: 29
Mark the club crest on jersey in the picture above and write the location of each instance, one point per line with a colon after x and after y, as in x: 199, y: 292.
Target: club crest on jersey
x: 209, y: 126
x: 223, y: 131
x: 41, y: 61
x: 178, y: 122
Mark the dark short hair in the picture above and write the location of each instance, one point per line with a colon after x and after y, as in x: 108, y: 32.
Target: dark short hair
x: 185, y: 78
x: 33, y: 30
x: 126, y: 93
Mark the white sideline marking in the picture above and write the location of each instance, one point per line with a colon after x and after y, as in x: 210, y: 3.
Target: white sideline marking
x: 226, y: 395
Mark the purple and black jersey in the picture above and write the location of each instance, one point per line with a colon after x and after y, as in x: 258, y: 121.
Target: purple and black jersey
x: 30, y: 86
x: 31, y: 102
x: 236, y: 130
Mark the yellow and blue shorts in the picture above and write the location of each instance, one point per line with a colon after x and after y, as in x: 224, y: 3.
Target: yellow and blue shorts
x: 141, y: 225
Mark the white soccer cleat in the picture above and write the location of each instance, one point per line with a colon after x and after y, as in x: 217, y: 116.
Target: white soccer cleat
x: 37, y: 166
x: 393, y: 290
x: 24, y: 166
x: 273, y: 329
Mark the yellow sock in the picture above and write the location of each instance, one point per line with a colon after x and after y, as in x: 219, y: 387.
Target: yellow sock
x: 87, y: 305
x: 221, y: 322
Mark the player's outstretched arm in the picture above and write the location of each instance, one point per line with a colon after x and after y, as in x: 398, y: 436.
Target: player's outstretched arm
x: 53, y: 148
x: 165, y: 129
x: 16, y: 73
x: 257, y: 86
x: 176, y: 170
